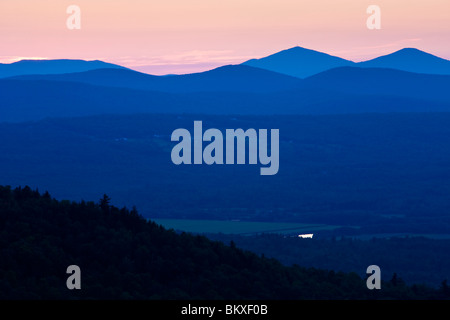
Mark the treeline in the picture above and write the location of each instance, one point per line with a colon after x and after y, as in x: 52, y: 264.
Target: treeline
x: 124, y: 256
x: 411, y: 259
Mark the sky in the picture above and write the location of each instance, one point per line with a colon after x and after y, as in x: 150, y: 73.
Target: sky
x: 184, y: 36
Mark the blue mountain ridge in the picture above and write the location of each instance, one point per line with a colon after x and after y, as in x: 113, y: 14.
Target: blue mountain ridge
x: 296, y: 62
x: 380, y: 81
x: 299, y: 62
x: 232, y: 89
x: 57, y: 66
x: 302, y: 63
x: 412, y: 60
x: 237, y: 78
x: 46, y: 98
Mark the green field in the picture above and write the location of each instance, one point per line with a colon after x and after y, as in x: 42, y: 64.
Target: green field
x: 240, y: 227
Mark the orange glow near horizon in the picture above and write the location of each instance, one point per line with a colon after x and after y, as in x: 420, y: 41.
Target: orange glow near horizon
x: 180, y: 36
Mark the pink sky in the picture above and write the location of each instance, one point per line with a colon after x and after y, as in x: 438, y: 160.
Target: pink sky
x: 181, y: 36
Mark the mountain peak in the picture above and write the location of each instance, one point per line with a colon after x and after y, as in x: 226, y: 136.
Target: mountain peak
x: 410, y: 50
x: 412, y: 60
x: 298, y: 62
x: 299, y: 49
x: 414, y: 52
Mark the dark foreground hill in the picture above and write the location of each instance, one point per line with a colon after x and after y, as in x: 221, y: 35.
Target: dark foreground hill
x: 123, y: 256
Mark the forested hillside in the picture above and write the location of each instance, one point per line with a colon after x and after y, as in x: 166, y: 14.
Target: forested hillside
x: 123, y: 256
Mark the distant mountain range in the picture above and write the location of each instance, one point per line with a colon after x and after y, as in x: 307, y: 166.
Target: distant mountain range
x: 302, y: 63
x: 412, y: 60
x: 236, y: 78
x: 299, y: 62
x: 379, y: 81
x: 52, y: 67
x: 66, y: 88
x: 337, y: 91
x: 295, y: 62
